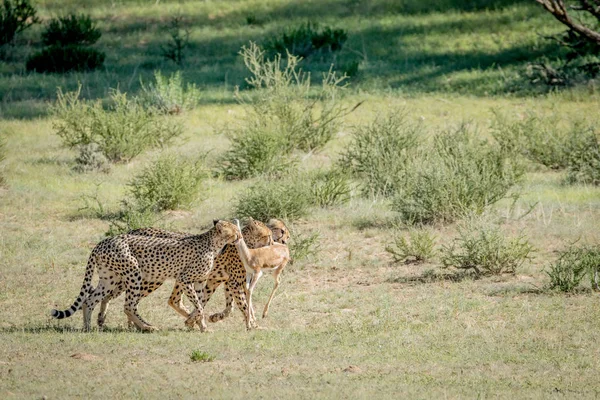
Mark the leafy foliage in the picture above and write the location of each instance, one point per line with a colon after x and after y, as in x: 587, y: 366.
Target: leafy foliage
x: 329, y: 187
x: 308, y: 39
x: 460, y: 174
x: 169, y: 95
x: 553, y: 142
x: 285, y: 113
x: 418, y: 247
x: 68, y: 40
x: 174, y: 50
x: 15, y: 17
x: 288, y: 199
x: 483, y: 247
x: 168, y: 183
x: 71, y: 30
x: 304, y: 246
x: 572, y: 266
x: 90, y: 159
x: 379, y: 152
x: 201, y: 356
x: 122, y: 131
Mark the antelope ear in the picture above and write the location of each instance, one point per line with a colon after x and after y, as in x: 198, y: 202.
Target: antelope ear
x: 215, y: 222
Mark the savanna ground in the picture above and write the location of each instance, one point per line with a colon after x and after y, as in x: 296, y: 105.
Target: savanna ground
x: 348, y: 321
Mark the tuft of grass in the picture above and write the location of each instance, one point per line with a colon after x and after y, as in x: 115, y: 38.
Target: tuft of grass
x: 2, y: 158
x: 130, y: 217
x: 459, y: 174
x: 379, y: 152
x: 122, y: 131
x: 572, y: 266
x: 284, y: 199
x: 484, y: 248
x: 90, y: 158
x: 201, y: 356
x: 169, y: 183
x: 168, y: 94
x: 417, y: 247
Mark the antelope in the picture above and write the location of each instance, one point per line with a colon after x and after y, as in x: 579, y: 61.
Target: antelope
x: 271, y: 258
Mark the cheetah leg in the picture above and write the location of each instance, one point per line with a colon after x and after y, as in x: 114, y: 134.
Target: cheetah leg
x: 197, y: 316
x: 277, y: 276
x: 147, y: 288
x: 239, y: 294
x: 111, y: 294
x: 133, y: 297
x: 176, y: 301
x: 209, y: 290
x: 97, y: 295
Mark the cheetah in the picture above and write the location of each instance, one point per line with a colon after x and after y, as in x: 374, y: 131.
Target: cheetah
x: 271, y: 258
x: 127, y: 262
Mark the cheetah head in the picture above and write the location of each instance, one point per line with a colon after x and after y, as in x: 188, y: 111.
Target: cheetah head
x: 227, y: 232
x: 257, y: 234
x: 281, y: 233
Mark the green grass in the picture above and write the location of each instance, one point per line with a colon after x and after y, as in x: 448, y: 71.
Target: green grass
x: 346, y: 321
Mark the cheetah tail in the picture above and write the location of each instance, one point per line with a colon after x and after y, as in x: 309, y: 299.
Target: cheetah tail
x: 86, y: 288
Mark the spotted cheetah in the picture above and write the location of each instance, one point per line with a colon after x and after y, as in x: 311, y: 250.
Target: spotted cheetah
x: 127, y: 262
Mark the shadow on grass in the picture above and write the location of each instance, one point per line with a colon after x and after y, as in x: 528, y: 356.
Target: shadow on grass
x: 434, y: 276
x: 39, y: 329
x: 133, y: 47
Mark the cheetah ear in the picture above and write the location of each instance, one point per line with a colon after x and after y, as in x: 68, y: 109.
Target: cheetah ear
x: 215, y: 222
x: 250, y: 219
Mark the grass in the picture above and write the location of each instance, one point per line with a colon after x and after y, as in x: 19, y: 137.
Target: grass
x: 346, y: 321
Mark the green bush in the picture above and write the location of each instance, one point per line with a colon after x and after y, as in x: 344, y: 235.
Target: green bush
x: 329, y: 187
x: 572, y: 266
x: 169, y: 95
x: 285, y: 111
x: 583, y: 151
x: 418, y: 247
x: 459, y: 174
x: 15, y: 17
x: 538, y: 138
x: 379, y: 152
x: 71, y: 30
x: 484, y: 248
x: 308, y: 39
x: 131, y: 217
x: 260, y: 150
x: 121, y: 132
x: 174, y: 50
x: 64, y: 59
x: 304, y: 246
x: 67, y: 40
x: 284, y: 199
x: 90, y: 159
x: 199, y: 355
x: 553, y: 142
x: 168, y: 183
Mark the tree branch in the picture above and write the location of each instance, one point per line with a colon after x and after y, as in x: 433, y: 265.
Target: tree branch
x: 559, y: 11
